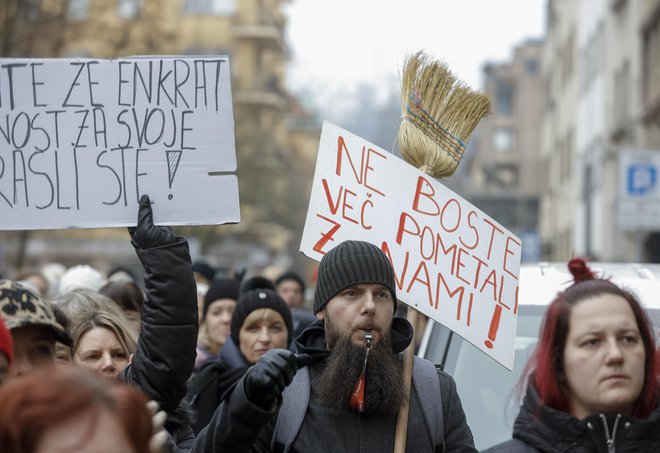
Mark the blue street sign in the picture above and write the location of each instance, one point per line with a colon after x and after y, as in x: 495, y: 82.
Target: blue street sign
x: 641, y: 179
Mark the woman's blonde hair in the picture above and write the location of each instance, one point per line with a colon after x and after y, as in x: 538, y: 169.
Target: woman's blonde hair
x: 108, y: 321
x: 261, y: 314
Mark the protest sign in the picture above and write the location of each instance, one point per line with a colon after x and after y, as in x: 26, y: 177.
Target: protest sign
x: 451, y: 261
x: 82, y: 139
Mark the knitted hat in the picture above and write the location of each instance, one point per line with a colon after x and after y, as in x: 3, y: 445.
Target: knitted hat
x: 220, y: 288
x: 204, y: 269
x: 20, y: 307
x: 82, y: 276
x: 352, y: 263
x: 256, y: 282
x: 6, y: 344
x: 290, y: 275
x: 255, y: 299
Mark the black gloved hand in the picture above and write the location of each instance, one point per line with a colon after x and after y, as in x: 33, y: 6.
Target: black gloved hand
x: 147, y: 235
x: 265, y: 380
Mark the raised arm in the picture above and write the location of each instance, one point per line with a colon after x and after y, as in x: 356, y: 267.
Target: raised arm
x: 165, y: 353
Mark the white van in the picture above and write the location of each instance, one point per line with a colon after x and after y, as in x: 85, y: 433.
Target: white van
x: 488, y: 390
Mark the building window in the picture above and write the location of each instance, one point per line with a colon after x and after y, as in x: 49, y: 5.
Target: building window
x: 651, y: 68
x: 78, y: 10
x: 503, y: 139
x: 211, y: 7
x: 504, y: 97
x: 128, y: 9
x: 621, y: 95
x: 508, y: 175
x: 29, y: 10
x: 592, y: 58
x: 532, y: 66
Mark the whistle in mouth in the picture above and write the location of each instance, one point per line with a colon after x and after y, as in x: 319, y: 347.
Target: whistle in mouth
x: 368, y: 336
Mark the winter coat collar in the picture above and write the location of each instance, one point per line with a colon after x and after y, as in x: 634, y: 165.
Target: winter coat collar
x: 550, y: 430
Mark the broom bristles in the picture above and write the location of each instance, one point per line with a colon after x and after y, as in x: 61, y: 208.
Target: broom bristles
x: 439, y: 113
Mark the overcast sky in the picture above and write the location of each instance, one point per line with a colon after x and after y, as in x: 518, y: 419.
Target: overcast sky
x: 335, y: 44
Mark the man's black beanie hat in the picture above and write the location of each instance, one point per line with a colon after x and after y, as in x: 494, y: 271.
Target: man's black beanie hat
x: 352, y: 263
x: 255, y: 299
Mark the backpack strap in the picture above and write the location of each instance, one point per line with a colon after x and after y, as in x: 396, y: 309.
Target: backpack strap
x: 427, y: 386
x: 296, y: 398
x: 292, y: 412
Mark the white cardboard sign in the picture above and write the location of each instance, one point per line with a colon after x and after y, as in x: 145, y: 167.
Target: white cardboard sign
x: 82, y: 139
x: 451, y: 261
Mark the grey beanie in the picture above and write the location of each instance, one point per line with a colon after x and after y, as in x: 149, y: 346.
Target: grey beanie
x: 352, y: 263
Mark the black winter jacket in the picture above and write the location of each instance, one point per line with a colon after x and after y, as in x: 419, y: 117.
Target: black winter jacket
x: 240, y: 426
x: 548, y: 430
x: 213, y: 379
x: 165, y: 354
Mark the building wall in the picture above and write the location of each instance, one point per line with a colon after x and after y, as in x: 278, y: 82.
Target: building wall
x: 612, y: 104
x: 557, y: 142
x: 591, y: 165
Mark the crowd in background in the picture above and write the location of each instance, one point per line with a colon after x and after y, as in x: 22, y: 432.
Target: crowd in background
x: 87, y: 324
x: 94, y: 362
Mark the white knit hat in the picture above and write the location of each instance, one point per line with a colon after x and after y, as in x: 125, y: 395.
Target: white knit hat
x: 81, y: 276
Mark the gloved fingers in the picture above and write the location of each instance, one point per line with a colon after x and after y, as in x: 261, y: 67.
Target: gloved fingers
x: 286, y: 369
x: 276, y: 377
x: 303, y: 360
x: 145, y: 214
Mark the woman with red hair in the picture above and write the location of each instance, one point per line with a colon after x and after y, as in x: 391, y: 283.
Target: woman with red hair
x: 593, y: 379
x: 71, y: 409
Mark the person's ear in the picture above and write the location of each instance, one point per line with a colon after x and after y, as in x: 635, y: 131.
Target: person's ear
x: 319, y: 316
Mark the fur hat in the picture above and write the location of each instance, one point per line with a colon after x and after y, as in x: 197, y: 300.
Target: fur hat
x: 220, y: 288
x: 20, y: 307
x: 352, y: 263
x: 255, y: 299
x: 6, y: 344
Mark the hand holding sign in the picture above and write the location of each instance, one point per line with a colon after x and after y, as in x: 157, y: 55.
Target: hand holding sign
x: 146, y: 235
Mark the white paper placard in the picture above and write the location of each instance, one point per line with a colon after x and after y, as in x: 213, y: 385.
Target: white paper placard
x: 451, y: 261
x: 82, y: 139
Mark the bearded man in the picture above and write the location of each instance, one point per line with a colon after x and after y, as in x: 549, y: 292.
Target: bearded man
x: 354, y: 379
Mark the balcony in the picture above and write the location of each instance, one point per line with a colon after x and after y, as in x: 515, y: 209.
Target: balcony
x: 262, y: 91
x: 266, y: 31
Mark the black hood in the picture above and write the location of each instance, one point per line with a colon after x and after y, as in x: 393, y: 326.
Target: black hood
x: 312, y: 340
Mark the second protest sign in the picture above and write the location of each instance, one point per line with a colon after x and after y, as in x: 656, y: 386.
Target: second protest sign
x: 451, y: 261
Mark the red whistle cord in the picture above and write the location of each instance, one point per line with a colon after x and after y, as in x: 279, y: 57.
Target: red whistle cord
x: 357, y: 399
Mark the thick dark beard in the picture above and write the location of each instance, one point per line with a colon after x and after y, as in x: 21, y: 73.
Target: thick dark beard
x: 383, y: 392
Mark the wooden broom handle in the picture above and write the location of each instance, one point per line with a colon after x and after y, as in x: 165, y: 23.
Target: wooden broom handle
x: 402, y: 416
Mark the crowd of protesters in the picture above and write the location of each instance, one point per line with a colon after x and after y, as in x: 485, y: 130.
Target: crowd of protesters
x: 192, y: 360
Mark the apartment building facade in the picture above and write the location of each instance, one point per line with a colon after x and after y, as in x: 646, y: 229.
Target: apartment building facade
x: 274, y: 173
x: 503, y: 162
x: 601, y: 70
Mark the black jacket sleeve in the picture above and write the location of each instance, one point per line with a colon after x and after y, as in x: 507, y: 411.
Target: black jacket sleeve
x: 237, y: 426
x: 458, y: 435
x: 165, y: 353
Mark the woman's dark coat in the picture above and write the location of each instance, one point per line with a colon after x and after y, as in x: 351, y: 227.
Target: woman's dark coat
x: 547, y: 430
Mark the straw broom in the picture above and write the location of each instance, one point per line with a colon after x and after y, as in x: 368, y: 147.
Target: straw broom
x: 438, y: 114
